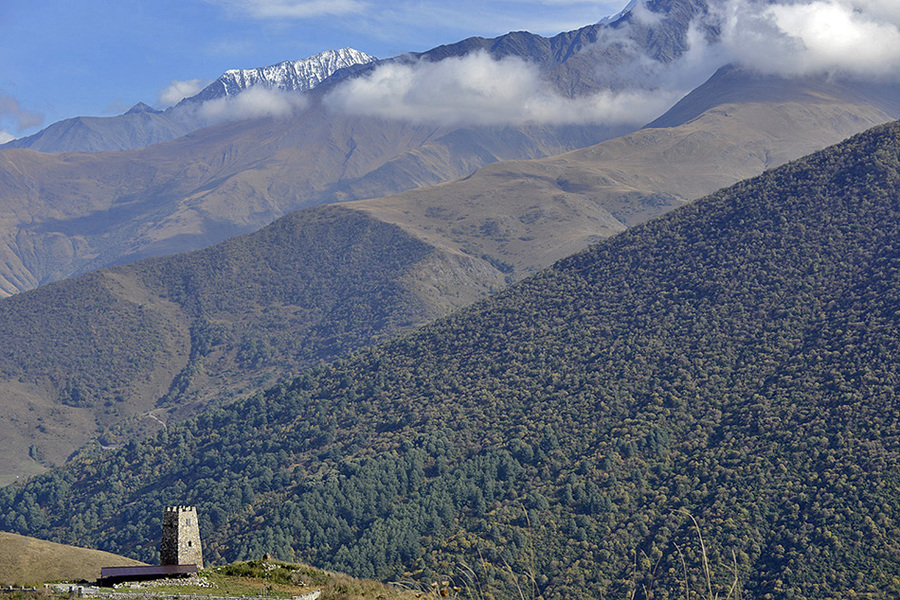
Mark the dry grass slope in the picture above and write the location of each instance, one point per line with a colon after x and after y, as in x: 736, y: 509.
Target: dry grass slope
x: 28, y: 561
x: 528, y: 214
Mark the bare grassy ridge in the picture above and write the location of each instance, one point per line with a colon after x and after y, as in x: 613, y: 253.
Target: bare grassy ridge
x: 30, y: 561
x: 530, y: 213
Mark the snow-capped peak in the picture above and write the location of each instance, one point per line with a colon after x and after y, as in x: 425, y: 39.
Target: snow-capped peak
x: 291, y: 75
x: 613, y: 18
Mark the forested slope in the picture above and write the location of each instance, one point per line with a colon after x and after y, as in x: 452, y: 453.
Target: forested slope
x: 734, y: 361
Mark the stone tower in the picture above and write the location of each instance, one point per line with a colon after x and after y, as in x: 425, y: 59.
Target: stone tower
x: 180, y: 543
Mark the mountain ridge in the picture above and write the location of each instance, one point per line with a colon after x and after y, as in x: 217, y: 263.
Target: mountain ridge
x: 565, y: 60
x: 735, y: 126
x: 142, y: 126
x: 120, y: 213
x: 132, y: 347
x: 180, y: 195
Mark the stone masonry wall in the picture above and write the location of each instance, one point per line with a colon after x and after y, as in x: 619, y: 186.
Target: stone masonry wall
x: 180, y: 544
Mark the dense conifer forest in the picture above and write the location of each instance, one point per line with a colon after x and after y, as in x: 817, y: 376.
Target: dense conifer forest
x: 728, y: 371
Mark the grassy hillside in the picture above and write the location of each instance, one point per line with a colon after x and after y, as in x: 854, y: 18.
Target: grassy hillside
x: 29, y: 561
x: 138, y: 345
x: 290, y: 580
x: 733, y: 363
x: 26, y: 561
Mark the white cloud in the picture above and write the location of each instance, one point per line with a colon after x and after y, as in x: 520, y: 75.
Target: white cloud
x: 814, y: 37
x: 6, y: 136
x: 20, y: 118
x: 785, y: 37
x: 292, y: 9
x: 889, y: 10
x: 179, y: 90
x: 478, y: 90
x: 253, y: 103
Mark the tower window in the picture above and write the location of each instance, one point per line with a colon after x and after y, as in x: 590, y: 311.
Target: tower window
x: 190, y: 543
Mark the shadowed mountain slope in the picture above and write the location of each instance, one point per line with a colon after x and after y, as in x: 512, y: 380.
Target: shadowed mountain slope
x: 733, y: 362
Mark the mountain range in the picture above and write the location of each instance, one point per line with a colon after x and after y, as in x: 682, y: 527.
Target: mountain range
x: 334, y: 368
x: 143, y: 126
x: 73, y: 213
x: 143, y: 360
x: 123, y: 206
x: 704, y: 401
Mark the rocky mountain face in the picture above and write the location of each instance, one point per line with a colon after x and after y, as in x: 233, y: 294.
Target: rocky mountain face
x: 601, y: 56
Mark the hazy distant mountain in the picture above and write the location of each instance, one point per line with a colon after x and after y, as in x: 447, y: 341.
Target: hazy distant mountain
x: 72, y: 213
x: 142, y: 126
x: 705, y: 402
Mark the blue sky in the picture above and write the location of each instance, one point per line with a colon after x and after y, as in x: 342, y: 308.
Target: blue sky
x: 65, y: 58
